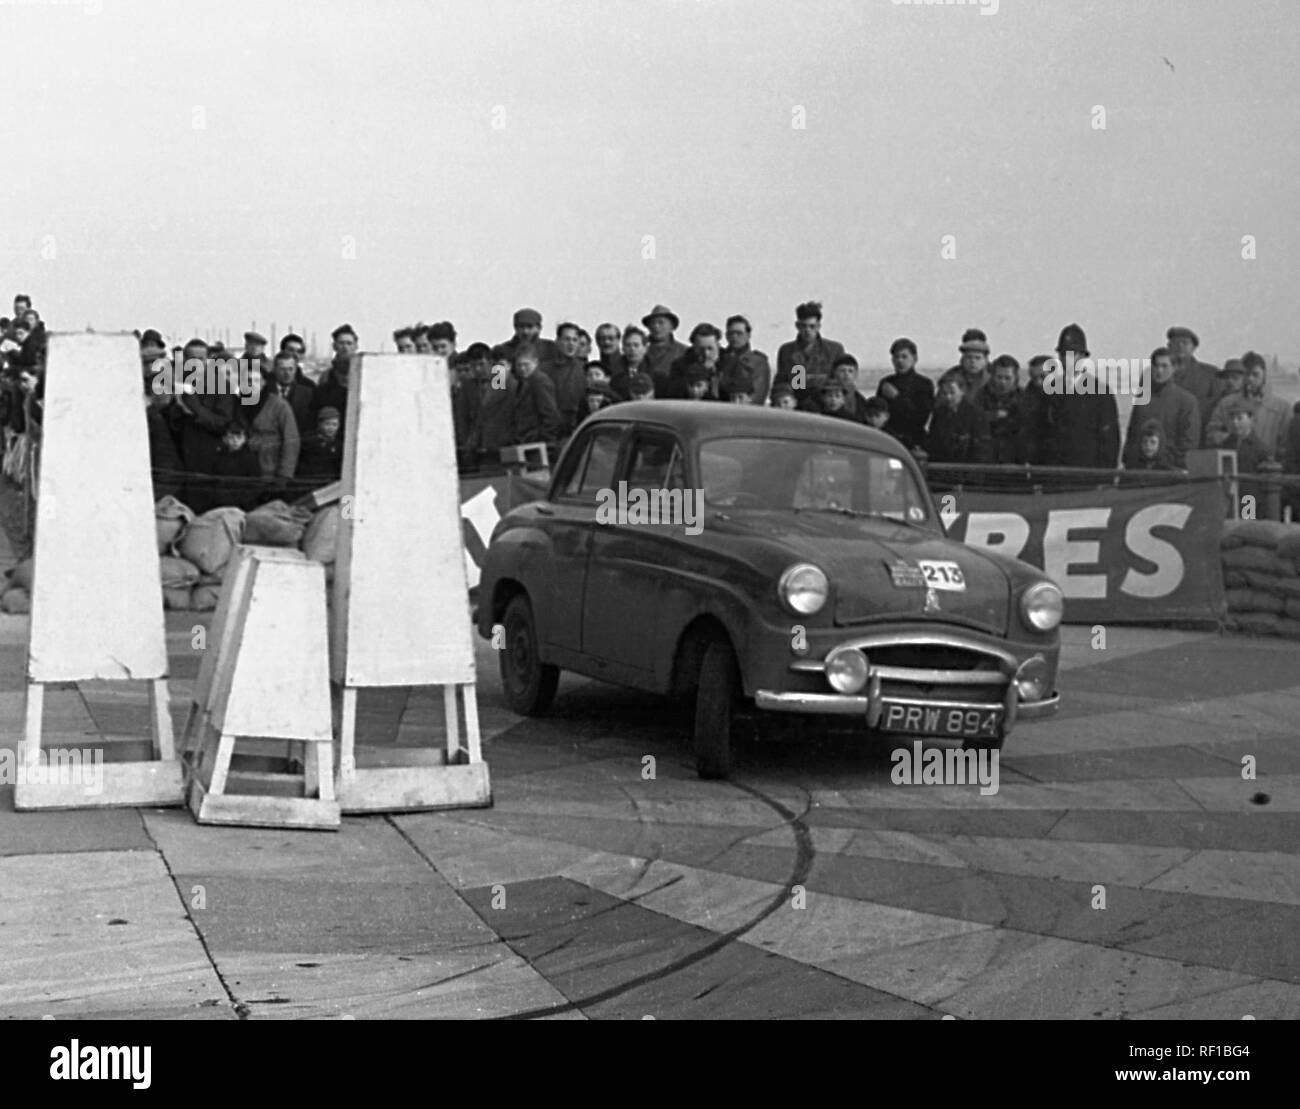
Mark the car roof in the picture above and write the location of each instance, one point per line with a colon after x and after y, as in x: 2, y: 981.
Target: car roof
x: 698, y: 420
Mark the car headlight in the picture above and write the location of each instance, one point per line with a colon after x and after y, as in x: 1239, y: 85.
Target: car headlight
x: 1042, y: 606
x: 803, y: 588
x: 847, y: 670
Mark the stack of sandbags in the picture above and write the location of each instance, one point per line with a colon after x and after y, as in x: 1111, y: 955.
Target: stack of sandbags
x: 320, y: 540
x: 1261, y: 573
x: 209, y: 542
x: 275, y: 524
x: 17, y: 595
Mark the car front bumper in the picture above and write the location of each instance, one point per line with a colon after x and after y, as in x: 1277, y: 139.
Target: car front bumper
x: 924, y: 687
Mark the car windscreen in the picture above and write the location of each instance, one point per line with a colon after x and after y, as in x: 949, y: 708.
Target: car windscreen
x: 786, y: 474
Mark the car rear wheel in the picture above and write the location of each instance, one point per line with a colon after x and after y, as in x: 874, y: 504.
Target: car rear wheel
x: 717, y: 700
x: 529, y: 683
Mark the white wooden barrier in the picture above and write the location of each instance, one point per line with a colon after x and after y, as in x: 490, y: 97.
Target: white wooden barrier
x: 97, y: 594
x: 400, y: 597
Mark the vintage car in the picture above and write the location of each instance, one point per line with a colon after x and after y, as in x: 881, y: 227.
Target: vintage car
x: 756, y: 558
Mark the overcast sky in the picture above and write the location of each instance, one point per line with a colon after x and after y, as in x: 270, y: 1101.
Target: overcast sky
x: 177, y: 164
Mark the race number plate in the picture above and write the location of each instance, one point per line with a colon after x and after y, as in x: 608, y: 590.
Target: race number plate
x: 940, y: 720
x: 943, y: 575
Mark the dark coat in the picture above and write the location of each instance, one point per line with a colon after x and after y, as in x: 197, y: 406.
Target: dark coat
x: 659, y: 361
x: 300, y: 397
x: 736, y: 365
x: 960, y: 435
x: 242, y: 485
x: 320, y: 460
x: 1035, y: 425
x: 1083, y: 430
x: 1004, y: 425
x: 569, y: 376
x: 536, y: 417
x: 1174, y: 408
x: 205, y: 419
x: 164, y: 458
x: 909, y: 412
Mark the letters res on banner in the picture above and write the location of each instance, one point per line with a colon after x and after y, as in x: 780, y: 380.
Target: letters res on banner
x: 1143, y: 554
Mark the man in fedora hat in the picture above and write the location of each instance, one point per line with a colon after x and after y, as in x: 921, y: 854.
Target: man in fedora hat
x: 663, y: 349
x: 1199, y: 378
x: 809, y: 351
x: 1084, y: 417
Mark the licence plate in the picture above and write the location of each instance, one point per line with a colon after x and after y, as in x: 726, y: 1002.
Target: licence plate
x: 962, y: 722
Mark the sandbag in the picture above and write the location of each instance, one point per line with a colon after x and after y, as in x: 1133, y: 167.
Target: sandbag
x: 1253, y: 600
x: 15, y: 600
x: 1255, y: 533
x: 1288, y: 627
x: 1257, y: 558
x: 1235, y: 579
x: 177, y: 600
x: 275, y: 524
x: 177, y: 573
x: 1269, y: 583
x: 204, y: 598
x: 1258, y: 623
x: 171, y: 517
x: 21, y: 575
x: 321, y: 539
x: 1289, y: 545
x: 210, y: 540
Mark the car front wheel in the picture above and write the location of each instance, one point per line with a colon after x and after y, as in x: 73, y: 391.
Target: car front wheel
x: 528, y: 682
x: 716, y: 703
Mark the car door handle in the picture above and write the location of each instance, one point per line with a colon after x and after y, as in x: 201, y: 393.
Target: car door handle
x: 542, y: 510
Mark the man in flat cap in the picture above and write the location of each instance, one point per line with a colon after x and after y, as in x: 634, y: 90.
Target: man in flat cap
x: 663, y: 349
x: 255, y: 349
x: 1199, y: 378
x: 809, y: 351
x: 1083, y: 417
x: 528, y: 329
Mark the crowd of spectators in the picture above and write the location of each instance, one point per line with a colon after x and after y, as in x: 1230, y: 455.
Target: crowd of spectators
x: 276, y: 431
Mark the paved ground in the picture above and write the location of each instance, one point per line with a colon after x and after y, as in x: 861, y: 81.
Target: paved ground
x: 810, y: 886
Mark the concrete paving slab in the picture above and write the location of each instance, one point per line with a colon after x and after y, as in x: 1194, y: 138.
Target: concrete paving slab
x: 98, y: 933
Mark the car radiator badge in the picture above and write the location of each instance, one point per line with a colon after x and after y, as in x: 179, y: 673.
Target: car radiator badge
x: 904, y: 575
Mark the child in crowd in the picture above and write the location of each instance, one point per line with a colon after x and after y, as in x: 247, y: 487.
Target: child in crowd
x: 322, y: 452
x: 1251, y: 453
x: 596, y: 375
x: 1153, y: 453
x: 697, y: 382
x: 783, y: 397
x: 876, y: 411
x: 598, y: 395
x: 959, y: 431
x: 845, y: 371
x: 641, y: 387
x: 834, y: 402
x: 235, y: 475
x: 1000, y: 402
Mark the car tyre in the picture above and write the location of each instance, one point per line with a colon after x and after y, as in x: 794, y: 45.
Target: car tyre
x: 717, y: 700
x: 529, y: 684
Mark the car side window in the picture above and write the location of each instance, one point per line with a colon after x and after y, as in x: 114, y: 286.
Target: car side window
x: 594, y: 468
x: 656, y: 462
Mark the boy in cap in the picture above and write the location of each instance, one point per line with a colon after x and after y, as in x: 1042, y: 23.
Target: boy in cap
x: 322, y: 452
x: 974, y: 364
x: 697, y: 382
x: 833, y: 399
x: 598, y: 397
